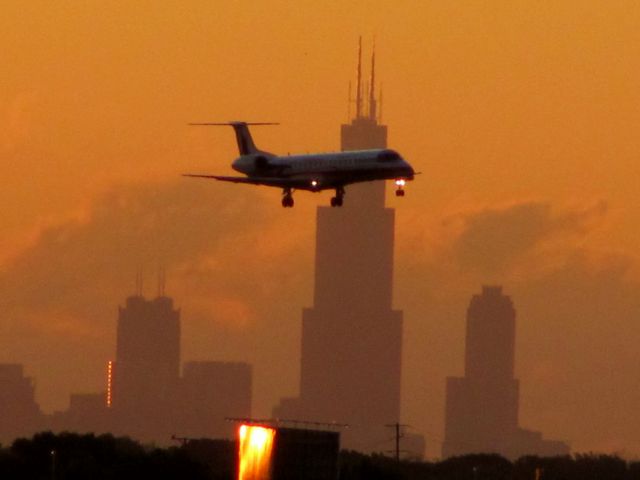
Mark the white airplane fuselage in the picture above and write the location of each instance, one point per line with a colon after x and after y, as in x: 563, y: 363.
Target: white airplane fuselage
x: 321, y: 171
x: 313, y: 172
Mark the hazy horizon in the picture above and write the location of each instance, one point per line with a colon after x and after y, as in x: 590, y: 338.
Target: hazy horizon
x: 522, y: 117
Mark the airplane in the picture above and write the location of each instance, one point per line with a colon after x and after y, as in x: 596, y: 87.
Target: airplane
x: 312, y: 172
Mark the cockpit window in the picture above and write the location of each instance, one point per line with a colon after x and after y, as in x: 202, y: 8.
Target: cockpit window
x: 388, y: 156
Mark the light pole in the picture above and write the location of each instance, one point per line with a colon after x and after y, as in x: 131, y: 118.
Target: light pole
x: 53, y: 464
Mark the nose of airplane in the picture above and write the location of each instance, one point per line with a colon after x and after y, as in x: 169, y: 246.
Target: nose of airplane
x: 409, y: 169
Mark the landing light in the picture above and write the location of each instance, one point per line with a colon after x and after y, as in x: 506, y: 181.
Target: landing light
x: 401, y: 182
x: 314, y: 183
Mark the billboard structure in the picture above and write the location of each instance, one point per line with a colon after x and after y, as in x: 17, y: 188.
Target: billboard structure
x: 267, y: 452
x: 255, y: 445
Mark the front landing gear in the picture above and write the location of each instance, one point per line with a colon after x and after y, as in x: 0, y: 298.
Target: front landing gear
x: 400, y: 184
x: 337, y: 200
x: 287, y: 198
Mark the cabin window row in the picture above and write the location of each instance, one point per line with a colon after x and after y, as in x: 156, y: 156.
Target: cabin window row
x: 328, y: 163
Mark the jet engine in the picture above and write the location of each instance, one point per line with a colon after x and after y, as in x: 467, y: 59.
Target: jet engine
x: 261, y: 163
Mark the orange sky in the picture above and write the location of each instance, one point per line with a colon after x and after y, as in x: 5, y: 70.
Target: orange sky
x: 523, y: 116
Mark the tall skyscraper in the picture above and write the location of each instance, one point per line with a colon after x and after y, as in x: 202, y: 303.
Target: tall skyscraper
x: 352, y: 338
x: 147, y: 367
x: 482, y: 407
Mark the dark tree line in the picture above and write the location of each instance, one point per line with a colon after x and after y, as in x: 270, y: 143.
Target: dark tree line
x: 72, y: 456
x: 355, y: 466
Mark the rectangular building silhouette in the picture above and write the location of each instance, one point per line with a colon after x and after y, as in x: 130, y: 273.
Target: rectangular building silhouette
x: 147, y: 368
x: 211, y: 392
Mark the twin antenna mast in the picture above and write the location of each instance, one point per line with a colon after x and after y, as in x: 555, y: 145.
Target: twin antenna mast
x: 162, y: 282
x: 139, y: 282
x: 362, y: 90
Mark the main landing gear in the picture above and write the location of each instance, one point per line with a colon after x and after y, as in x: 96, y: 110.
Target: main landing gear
x: 287, y: 198
x: 337, y: 200
x: 400, y: 184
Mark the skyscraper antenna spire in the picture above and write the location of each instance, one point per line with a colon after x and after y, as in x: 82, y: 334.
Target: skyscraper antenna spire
x: 349, y: 100
x: 359, y: 80
x: 372, y: 95
x: 162, y: 281
x: 139, y: 282
x: 380, y: 105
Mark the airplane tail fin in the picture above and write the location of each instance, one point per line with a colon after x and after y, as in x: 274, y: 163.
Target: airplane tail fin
x: 243, y: 136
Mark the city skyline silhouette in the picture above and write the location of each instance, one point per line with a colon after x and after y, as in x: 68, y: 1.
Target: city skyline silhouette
x: 521, y: 118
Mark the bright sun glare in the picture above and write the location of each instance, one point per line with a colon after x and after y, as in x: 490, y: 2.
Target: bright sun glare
x: 255, y: 452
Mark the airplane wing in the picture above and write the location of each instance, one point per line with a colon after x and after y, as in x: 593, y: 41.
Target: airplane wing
x: 220, y: 177
x: 267, y: 181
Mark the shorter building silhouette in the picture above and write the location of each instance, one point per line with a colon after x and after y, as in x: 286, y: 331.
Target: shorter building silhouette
x: 87, y: 413
x: 146, y: 372
x: 482, y: 407
x: 19, y: 413
x: 145, y: 397
x: 211, y: 392
x: 148, y: 398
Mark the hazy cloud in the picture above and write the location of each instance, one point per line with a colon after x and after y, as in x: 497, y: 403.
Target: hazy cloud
x: 495, y: 238
x: 137, y: 226
x: 225, y: 256
x: 577, y: 318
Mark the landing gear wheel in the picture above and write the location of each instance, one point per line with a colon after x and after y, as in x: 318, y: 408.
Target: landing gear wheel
x: 400, y: 193
x: 287, y: 201
x: 337, y: 200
